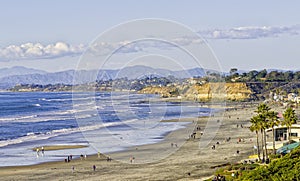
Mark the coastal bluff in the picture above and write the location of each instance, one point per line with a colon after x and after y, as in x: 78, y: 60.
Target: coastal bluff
x: 203, y: 92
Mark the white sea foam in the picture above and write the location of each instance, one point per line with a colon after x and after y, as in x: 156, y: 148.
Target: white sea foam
x: 38, y: 136
x: 75, y: 98
x: 135, y: 132
x: 81, y: 112
x: 84, y: 104
x: 30, y: 134
x: 17, y: 119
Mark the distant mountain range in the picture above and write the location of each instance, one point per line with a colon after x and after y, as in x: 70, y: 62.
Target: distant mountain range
x: 10, y: 77
x: 19, y: 70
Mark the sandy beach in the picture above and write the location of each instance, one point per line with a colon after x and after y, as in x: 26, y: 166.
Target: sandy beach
x: 228, y: 129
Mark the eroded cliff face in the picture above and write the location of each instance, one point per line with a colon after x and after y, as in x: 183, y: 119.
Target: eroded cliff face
x: 169, y: 91
x: 205, y: 92
x: 219, y: 91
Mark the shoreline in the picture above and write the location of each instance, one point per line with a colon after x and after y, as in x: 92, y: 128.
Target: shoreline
x: 187, y: 162
x: 165, y: 136
x: 57, y: 147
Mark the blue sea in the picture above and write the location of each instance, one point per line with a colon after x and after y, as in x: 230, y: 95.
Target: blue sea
x: 104, y: 121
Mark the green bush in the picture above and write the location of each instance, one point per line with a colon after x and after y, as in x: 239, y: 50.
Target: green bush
x: 285, y: 168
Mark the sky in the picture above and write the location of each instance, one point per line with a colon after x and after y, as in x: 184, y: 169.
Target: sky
x: 57, y: 35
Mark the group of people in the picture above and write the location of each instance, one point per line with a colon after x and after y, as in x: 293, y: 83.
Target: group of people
x: 73, y: 168
x: 69, y: 158
x: 38, y: 151
x: 213, y: 147
x: 83, y: 157
x: 241, y: 125
x: 131, y: 159
x: 193, y: 135
x: 219, y: 178
x: 174, y: 145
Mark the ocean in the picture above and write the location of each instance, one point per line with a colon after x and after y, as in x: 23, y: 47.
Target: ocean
x: 105, y: 121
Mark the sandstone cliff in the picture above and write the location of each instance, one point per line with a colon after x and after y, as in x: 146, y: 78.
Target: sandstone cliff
x: 168, y: 91
x: 205, y: 92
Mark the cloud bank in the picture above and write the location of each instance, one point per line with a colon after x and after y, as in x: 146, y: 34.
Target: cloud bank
x: 250, y: 32
x: 39, y: 51
x: 30, y: 51
x: 104, y: 48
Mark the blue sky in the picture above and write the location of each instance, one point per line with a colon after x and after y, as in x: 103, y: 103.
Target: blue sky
x: 243, y: 34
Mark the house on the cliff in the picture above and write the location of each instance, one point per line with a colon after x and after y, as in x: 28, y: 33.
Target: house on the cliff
x: 297, y: 99
x: 277, y: 97
x: 291, y: 97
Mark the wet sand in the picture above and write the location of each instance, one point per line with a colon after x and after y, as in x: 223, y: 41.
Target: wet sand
x: 189, y: 162
x: 59, y: 147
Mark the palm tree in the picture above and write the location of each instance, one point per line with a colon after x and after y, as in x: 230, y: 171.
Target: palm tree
x: 261, y: 122
x: 290, y: 118
x: 274, y: 121
x: 265, y: 126
x: 256, y: 127
x: 263, y: 111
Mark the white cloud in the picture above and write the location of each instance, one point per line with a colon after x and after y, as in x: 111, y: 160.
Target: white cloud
x: 60, y: 49
x: 39, y: 51
x: 104, y: 48
x: 251, y: 32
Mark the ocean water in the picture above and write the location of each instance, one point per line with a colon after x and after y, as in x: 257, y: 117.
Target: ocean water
x: 104, y: 121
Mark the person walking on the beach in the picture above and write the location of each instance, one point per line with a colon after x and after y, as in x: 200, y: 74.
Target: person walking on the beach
x: 94, y: 167
x: 37, y: 152
x: 73, y: 169
x: 213, y: 147
x: 132, y: 159
x: 43, y: 150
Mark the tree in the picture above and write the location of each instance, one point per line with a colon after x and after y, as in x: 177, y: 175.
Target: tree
x: 262, y: 74
x: 263, y: 111
x: 261, y: 122
x: 284, y: 168
x: 288, y: 76
x: 255, y: 126
x: 233, y: 70
x: 296, y: 76
x: 252, y: 75
x: 290, y: 118
x: 274, y: 121
x: 274, y: 76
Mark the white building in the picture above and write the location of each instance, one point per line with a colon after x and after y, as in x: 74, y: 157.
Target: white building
x: 291, y: 97
x: 281, y: 132
x: 282, y: 137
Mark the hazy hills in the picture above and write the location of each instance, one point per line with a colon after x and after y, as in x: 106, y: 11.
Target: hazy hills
x: 21, y: 75
x: 19, y: 70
